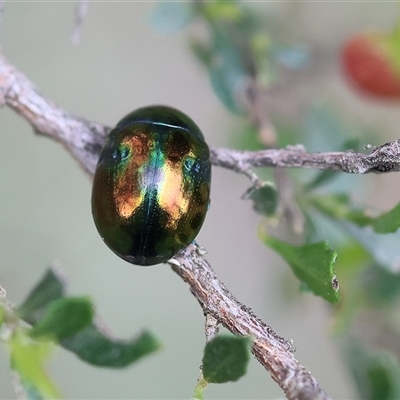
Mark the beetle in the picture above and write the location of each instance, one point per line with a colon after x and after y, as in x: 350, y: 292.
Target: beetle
x: 151, y: 187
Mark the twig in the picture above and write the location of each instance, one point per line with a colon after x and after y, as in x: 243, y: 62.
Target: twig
x: 211, y: 326
x: 384, y: 158
x: 83, y: 139
x: 272, y: 351
x: 81, y: 10
x: 291, y: 210
x: 258, y: 111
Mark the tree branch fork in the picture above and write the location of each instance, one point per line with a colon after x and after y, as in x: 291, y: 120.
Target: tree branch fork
x: 84, y: 140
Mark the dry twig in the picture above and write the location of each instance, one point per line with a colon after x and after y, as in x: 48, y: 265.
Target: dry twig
x: 81, y: 10
x: 84, y: 139
x: 384, y: 158
x: 272, y: 351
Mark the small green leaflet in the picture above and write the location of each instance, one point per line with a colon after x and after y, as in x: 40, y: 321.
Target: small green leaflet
x: 339, y: 206
x: 96, y: 348
x: 70, y: 322
x: 381, y: 286
x: 388, y: 222
x: 226, y: 358
x: 64, y: 317
x: 312, y: 264
x: 265, y: 199
x: 222, y: 52
x: 366, y: 230
x: 383, y: 248
x: 226, y: 77
x: 51, y: 287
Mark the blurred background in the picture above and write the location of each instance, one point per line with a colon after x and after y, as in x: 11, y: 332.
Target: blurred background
x: 122, y: 63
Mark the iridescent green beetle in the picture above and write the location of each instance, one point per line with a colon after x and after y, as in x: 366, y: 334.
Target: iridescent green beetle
x: 151, y: 187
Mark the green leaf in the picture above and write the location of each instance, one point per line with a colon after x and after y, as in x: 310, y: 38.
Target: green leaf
x: 50, y: 288
x: 322, y: 178
x: 383, y: 248
x: 171, y: 17
x: 312, y: 264
x: 27, y: 358
x: 47, y: 308
x: 364, y: 228
x: 202, y: 51
x: 339, y: 206
x: 381, y: 287
x: 246, y: 136
x: 225, y: 83
x: 227, y: 70
x: 260, y: 45
x: 324, y: 128
x: 376, y: 373
x: 349, y: 266
x: 322, y: 227
x: 226, y: 358
x: 228, y: 56
x: 388, y: 222
x: 64, y: 317
x: 265, y: 199
x: 94, y: 347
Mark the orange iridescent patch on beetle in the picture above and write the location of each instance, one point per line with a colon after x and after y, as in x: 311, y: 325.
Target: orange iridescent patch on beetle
x: 151, y: 186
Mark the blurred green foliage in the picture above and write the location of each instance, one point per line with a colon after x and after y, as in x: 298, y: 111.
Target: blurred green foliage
x: 376, y: 373
x: 28, y: 358
x: 69, y: 322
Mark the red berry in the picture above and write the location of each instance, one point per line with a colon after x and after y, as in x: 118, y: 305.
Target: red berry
x: 370, y: 61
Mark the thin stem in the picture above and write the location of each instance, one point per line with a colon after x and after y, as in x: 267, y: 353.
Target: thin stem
x: 273, y: 351
x: 81, y: 10
x: 211, y: 327
x: 384, y: 158
x: 84, y: 139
